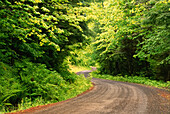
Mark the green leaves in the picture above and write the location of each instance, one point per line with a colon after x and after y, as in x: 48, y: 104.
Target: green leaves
x: 132, y: 37
x: 27, y: 80
x: 155, y: 46
x: 35, y: 36
x: 34, y: 27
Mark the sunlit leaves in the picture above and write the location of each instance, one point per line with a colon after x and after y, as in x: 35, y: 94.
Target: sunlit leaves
x: 51, y: 26
x: 39, y: 32
x: 128, y: 30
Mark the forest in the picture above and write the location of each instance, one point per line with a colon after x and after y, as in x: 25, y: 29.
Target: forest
x: 127, y: 40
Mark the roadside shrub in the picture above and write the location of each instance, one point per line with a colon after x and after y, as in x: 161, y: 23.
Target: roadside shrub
x: 11, y: 90
x: 133, y: 79
x: 28, y: 82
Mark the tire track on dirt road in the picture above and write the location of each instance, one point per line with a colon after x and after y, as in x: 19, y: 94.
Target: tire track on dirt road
x: 113, y: 97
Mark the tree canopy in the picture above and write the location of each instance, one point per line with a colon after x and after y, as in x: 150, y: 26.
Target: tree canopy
x: 39, y: 37
x: 35, y: 38
x: 132, y: 37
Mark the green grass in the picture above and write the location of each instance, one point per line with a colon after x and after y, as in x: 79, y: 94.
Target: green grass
x: 134, y: 79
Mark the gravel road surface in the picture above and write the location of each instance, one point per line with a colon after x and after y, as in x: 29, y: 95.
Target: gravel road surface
x: 112, y: 97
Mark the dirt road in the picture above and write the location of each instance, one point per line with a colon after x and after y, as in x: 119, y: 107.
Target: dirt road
x: 112, y: 97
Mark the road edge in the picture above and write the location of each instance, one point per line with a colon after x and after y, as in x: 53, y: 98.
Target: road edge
x: 40, y: 107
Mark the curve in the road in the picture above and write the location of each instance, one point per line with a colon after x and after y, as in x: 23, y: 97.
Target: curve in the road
x: 112, y: 97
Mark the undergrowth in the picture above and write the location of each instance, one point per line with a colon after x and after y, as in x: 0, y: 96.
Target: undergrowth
x: 30, y: 84
x: 134, y: 79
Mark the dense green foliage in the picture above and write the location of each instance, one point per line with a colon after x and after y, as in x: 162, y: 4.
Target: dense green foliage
x: 35, y: 38
x: 39, y: 38
x: 132, y: 37
x: 40, y: 31
x: 82, y: 57
x: 37, y: 82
